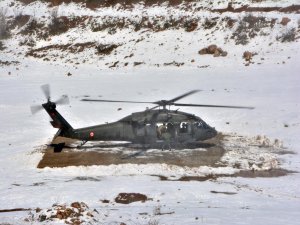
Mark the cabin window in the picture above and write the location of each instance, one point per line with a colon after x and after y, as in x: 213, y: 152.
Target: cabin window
x: 184, y: 127
x: 163, y: 129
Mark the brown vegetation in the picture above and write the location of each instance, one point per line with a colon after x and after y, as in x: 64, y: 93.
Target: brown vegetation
x: 288, y: 36
x: 8, y: 63
x: 247, y: 55
x: 4, y: 29
x: 249, y: 27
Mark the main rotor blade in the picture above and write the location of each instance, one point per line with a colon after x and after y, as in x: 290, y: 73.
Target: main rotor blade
x: 63, y: 100
x: 35, y: 108
x: 214, y: 106
x: 46, y: 90
x: 184, y: 95
x: 101, y: 100
x: 154, y: 107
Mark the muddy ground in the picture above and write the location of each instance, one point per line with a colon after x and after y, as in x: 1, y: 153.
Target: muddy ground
x: 208, y: 153
x: 199, y: 154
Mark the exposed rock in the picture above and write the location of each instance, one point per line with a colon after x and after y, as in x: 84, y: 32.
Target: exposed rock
x: 203, y: 51
x: 74, y: 214
x: 76, y: 205
x: 126, y: 198
x: 285, y: 21
x: 224, y: 53
x: 211, y: 49
x: 105, y: 49
x: 217, y: 53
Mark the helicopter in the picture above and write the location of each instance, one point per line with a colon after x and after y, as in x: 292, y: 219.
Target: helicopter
x: 157, y: 125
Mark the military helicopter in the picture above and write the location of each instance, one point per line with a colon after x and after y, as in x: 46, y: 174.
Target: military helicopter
x: 156, y: 125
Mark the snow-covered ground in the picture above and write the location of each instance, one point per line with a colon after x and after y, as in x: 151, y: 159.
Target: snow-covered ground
x: 273, y: 91
x: 272, y: 87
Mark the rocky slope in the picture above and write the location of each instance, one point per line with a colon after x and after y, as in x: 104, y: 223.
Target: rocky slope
x: 118, y: 34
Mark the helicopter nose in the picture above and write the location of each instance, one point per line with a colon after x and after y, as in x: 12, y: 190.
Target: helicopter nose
x: 212, y: 133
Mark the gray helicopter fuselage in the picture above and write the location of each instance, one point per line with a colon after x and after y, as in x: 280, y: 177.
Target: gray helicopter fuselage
x: 142, y: 127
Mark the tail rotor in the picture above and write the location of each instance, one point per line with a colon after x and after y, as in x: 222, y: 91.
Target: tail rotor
x: 63, y: 100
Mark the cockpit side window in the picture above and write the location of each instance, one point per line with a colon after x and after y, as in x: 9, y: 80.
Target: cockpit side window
x: 200, y: 125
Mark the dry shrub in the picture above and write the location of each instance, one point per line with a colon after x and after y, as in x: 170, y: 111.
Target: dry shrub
x: 2, y: 47
x: 249, y: 27
x: 57, y: 25
x: 288, y: 36
x: 210, y: 23
x: 32, y: 26
x: 28, y: 41
x: 190, y: 25
x: 4, y: 31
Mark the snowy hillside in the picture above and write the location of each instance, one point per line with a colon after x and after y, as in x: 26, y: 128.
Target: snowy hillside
x: 236, y: 52
x: 151, y: 35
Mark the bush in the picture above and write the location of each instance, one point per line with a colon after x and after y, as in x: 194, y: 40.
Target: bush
x: 57, y: 25
x: 2, y: 47
x: 31, y: 26
x: 288, y: 36
x: 209, y: 23
x: 4, y: 32
x: 249, y: 27
x: 190, y: 25
x: 29, y: 41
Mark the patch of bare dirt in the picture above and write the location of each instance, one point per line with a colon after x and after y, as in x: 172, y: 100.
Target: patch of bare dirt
x: 247, y: 8
x: 209, y: 154
x: 263, y: 173
x: 243, y: 173
x: 127, y: 198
